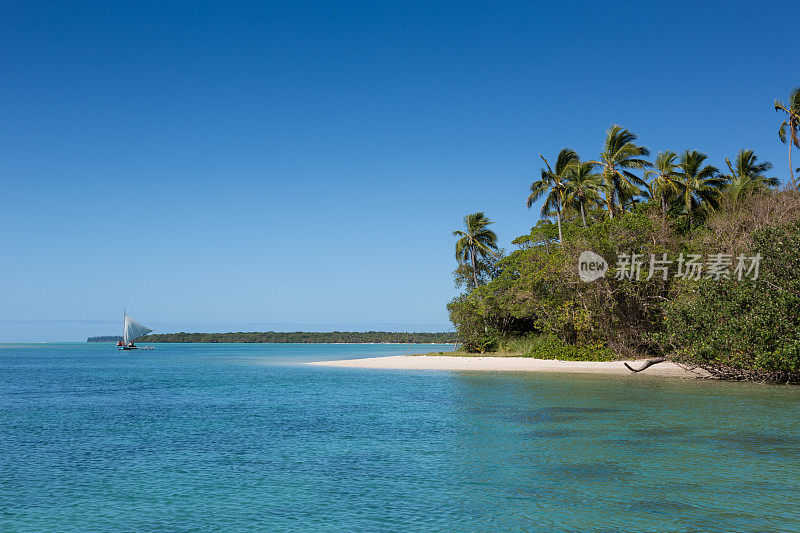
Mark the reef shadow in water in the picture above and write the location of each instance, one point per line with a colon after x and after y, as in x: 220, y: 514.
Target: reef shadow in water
x: 762, y: 443
x: 547, y: 433
x: 661, y: 432
x: 601, y: 471
x: 554, y: 414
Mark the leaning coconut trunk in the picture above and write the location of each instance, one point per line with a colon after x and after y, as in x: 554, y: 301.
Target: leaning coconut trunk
x: 474, y: 267
x: 611, y: 200
x: 558, y: 216
x: 647, y: 364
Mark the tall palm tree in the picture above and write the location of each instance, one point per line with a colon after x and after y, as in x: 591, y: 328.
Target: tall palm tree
x: 790, y: 124
x: 476, y: 242
x: 701, y: 184
x: 553, y: 183
x: 620, y: 155
x: 747, y: 175
x: 583, y: 187
x: 665, y: 181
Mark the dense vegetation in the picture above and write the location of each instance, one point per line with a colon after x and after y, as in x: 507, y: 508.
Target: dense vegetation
x: 703, y: 263
x: 305, y: 337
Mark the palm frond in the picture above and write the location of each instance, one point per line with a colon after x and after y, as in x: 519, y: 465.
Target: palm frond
x: 566, y: 158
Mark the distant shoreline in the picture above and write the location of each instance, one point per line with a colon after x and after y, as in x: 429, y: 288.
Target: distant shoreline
x: 292, y: 337
x: 286, y: 342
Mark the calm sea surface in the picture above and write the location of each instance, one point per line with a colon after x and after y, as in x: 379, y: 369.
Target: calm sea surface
x: 209, y: 436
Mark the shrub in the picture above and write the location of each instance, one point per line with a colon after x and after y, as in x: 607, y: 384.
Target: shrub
x: 551, y: 347
x: 732, y: 327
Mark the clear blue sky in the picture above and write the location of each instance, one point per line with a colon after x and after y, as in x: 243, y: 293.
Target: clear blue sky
x: 301, y: 165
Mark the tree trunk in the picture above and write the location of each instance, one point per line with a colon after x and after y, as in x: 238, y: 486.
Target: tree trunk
x: 610, y: 191
x: 611, y: 200
x: 474, y: 266
x: 791, y: 170
x: 475, y: 278
x: 558, y: 216
x: 583, y: 216
x: 647, y: 364
x: 663, y: 207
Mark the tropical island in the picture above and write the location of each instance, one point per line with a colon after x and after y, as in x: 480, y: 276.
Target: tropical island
x: 663, y: 257
x: 105, y: 338
x: 341, y: 337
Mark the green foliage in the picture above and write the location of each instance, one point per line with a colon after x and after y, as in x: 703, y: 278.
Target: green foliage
x: 484, y: 270
x: 582, y: 189
x: 551, y: 347
x: 537, y: 290
x: 476, y: 245
x: 701, y: 185
x: 552, y: 182
x: 747, y: 176
x: 619, y: 157
x: 745, y: 325
x: 664, y: 185
x: 789, y: 130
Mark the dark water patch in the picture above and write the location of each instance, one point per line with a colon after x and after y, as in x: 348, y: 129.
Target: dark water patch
x: 692, y: 491
x: 762, y: 443
x: 547, y: 434
x: 555, y: 414
x: 632, y: 444
x: 771, y: 487
x: 523, y: 491
x: 662, y: 507
x: 600, y: 471
x: 581, y: 409
x: 357, y: 465
x: 661, y: 432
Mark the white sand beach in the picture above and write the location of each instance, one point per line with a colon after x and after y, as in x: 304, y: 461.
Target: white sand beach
x: 513, y: 364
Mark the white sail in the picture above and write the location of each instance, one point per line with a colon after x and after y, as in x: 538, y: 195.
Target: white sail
x: 133, y: 330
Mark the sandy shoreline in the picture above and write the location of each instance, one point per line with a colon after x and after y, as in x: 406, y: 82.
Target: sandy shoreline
x: 506, y: 364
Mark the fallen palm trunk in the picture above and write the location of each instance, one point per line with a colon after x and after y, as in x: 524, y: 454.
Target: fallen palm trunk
x: 647, y: 364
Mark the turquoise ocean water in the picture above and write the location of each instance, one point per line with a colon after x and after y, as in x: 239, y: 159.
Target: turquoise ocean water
x: 245, y: 437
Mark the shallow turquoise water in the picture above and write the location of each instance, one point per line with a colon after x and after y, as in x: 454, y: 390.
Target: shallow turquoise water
x: 208, y: 437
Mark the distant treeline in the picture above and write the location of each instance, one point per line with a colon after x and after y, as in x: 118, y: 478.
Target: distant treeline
x: 297, y: 337
x: 106, y: 338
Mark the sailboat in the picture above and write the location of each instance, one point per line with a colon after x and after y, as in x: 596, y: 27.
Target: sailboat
x: 131, y: 330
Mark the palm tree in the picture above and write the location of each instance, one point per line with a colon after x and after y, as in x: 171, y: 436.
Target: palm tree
x: 476, y: 242
x: 620, y: 155
x: 553, y: 182
x: 792, y: 124
x: 747, y: 175
x: 665, y: 182
x: 700, y: 183
x: 583, y: 187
